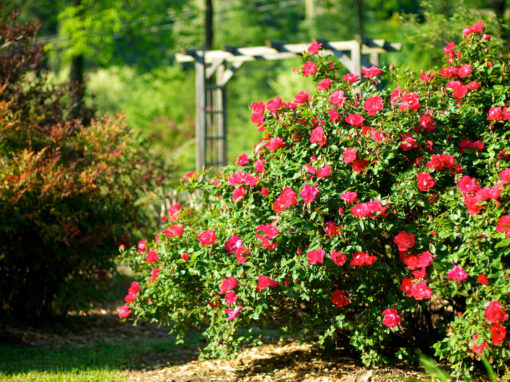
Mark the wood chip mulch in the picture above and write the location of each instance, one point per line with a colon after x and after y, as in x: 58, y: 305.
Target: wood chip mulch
x: 284, y: 361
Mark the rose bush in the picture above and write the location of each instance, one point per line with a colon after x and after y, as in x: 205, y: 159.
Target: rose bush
x: 402, y: 240
x: 71, y: 190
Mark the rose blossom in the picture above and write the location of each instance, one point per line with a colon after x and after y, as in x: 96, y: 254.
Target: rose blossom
x: 152, y: 256
x: 228, y: 284
x: 391, y: 318
x: 338, y: 257
x: 495, y: 313
x: 457, y: 274
x: 339, y: 299
x: 315, y: 256
x: 207, y: 237
x: 425, y: 181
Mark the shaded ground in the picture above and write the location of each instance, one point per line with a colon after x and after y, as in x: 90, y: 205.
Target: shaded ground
x: 156, y: 357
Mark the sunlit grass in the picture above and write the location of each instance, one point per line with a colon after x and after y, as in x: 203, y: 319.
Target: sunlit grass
x: 98, y: 362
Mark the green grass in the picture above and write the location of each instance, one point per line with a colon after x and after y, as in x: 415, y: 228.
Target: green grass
x: 99, y: 362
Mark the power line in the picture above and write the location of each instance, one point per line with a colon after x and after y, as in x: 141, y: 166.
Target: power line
x: 187, y: 16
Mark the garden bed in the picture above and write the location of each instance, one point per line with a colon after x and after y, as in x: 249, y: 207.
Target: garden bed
x: 74, y: 350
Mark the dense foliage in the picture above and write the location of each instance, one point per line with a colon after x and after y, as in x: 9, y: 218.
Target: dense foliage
x: 381, y: 214
x: 70, y: 190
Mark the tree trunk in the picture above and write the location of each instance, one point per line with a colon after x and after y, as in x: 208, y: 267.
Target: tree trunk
x: 77, y: 69
x: 499, y: 7
x: 78, y: 86
x: 209, y: 34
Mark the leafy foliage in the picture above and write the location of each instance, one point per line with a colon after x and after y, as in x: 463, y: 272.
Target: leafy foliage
x: 70, y: 191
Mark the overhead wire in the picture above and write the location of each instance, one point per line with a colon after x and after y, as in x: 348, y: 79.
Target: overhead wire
x: 184, y: 17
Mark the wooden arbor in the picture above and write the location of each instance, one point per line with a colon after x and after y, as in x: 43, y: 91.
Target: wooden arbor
x: 214, y: 68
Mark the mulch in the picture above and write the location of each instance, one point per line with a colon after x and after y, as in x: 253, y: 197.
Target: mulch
x: 282, y: 361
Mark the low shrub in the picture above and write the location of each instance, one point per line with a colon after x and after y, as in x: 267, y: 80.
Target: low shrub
x: 373, y: 212
x: 70, y: 191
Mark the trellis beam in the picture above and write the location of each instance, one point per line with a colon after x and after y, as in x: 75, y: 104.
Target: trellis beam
x: 214, y: 68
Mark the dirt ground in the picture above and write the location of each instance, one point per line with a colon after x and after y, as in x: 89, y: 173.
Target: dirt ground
x: 288, y: 361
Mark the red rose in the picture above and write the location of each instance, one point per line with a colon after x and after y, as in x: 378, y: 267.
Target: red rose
x: 448, y: 49
x: 154, y: 274
x: 495, y: 313
x: 478, y: 349
x: 228, y: 284
x: 372, y: 105
x: 152, y: 257
x: 230, y: 298
x: 185, y: 257
x: 259, y: 165
x: 408, y: 143
x: 391, y: 318
x: 410, y: 101
x: 243, y: 159
x: 482, y: 279
x: 360, y: 210
x: 362, y: 258
x: 124, y: 311
x: 371, y: 72
x: 351, y: 77
x: 420, y: 291
x: 495, y: 114
x: 286, y: 199
x: 175, y: 230
x: 239, y: 194
x: 498, y: 333
x: 427, y: 76
x: 404, y: 241
x: 274, y: 104
x: 355, y: 120
x: 309, y: 193
x: 503, y: 225
x: 457, y: 274
x: 332, y: 229
x: 464, y: 71
x: 333, y: 115
x: 314, y: 47
x: 468, y: 185
x: 275, y: 144
x: 141, y: 245
x: 302, y: 97
x: 309, y: 68
x: 349, y: 197
x: 232, y: 244
x: 257, y: 116
x: 264, y: 282
x: 317, y: 136
x: 315, y: 256
x: 427, y: 122
x: 233, y: 313
x: 339, y: 299
x: 425, y: 181
x: 324, y: 172
x: 349, y: 155
x: 337, y: 98
x: 324, y: 84
x: 338, y: 257
x: 207, y: 237
x: 359, y: 164
x: 505, y: 175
